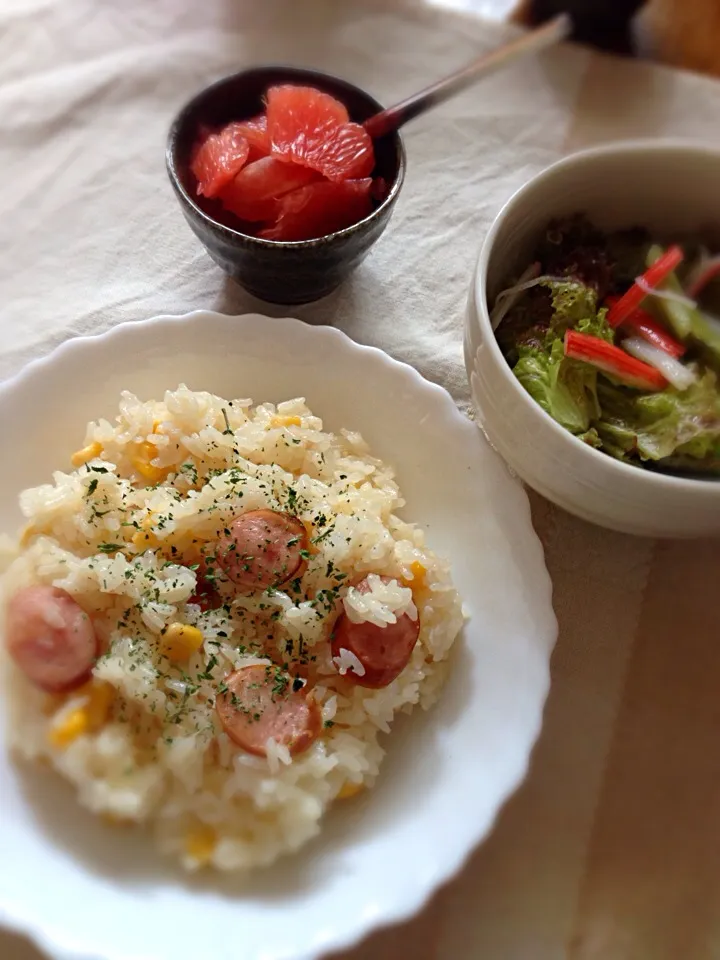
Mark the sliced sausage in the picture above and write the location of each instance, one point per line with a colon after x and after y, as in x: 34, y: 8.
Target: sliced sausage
x: 259, y: 702
x: 264, y: 548
x: 204, y: 595
x: 51, y: 638
x: 384, y: 651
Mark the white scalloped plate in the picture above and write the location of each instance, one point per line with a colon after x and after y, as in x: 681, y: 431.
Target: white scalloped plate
x: 81, y: 889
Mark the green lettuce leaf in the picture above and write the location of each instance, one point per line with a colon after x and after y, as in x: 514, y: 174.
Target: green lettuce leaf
x: 573, y: 303
x: 656, y: 426
x: 591, y: 437
x: 678, y: 430
x: 566, y: 389
x: 597, y: 326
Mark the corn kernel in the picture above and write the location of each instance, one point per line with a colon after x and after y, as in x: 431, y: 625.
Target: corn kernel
x: 187, y: 544
x: 200, y: 843
x: 179, y: 641
x: 100, y: 696
x: 145, y: 538
x: 418, y: 569
x: 146, y: 452
x: 72, y: 726
x: 286, y: 422
x: 87, y: 453
x: 418, y: 580
x: 349, y: 789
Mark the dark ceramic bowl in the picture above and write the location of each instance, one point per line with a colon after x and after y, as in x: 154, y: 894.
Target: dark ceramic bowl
x: 278, y: 271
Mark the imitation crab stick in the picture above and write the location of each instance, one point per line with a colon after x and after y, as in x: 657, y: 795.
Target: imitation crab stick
x: 652, y: 277
x: 647, y: 327
x: 613, y: 360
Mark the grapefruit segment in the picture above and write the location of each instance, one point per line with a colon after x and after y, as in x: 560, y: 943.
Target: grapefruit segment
x: 346, y: 155
x: 314, y: 129
x: 298, y: 113
x: 320, y: 208
x: 299, y: 171
x: 255, y: 132
x: 219, y: 158
x: 253, y: 194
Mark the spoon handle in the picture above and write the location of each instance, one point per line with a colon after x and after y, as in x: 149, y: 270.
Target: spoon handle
x: 391, y: 119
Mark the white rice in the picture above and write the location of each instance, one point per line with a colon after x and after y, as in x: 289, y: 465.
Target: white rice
x: 161, y: 757
x: 347, y: 662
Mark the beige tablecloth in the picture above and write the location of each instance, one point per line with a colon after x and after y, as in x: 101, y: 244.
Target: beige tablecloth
x: 611, y: 849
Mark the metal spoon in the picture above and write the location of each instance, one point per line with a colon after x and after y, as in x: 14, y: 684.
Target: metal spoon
x: 391, y: 119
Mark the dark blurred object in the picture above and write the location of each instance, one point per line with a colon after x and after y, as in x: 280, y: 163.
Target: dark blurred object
x: 601, y: 23
x: 682, y: 33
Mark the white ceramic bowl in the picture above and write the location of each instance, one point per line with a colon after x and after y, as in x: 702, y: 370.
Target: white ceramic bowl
x: 666, y: 186
x: 85, y: 890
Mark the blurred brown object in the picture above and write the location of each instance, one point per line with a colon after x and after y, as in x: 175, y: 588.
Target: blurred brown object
x: 682, y: 33
x: 600, y: 23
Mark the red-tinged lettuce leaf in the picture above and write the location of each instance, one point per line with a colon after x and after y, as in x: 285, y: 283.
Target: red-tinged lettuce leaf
x: 574, y: 247
x: 544, y: 312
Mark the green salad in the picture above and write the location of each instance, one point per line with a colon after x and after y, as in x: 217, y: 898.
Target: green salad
x: 617, y: 337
